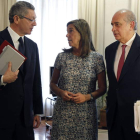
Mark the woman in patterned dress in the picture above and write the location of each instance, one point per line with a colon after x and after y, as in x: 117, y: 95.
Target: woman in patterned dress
x: 74, y: 82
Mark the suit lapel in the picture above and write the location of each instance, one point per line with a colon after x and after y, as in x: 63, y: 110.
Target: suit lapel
x: 112, y: 58
x: 6, y: 36
x: 27, y: 54
x: 131, y: 57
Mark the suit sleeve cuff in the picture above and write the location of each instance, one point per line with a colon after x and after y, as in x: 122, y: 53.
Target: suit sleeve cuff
x: 39, y: 115
x: 1, y: 82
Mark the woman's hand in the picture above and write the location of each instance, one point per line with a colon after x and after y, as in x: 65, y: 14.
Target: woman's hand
x: 66, y: 95
x: 79, y: 98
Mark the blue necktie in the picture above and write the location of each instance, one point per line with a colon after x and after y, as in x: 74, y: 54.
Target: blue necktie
x: 21, y: 46
x: 22, y: 50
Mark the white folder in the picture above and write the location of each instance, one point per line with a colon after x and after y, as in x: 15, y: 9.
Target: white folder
x: 137, y: 116
x: 10, y: 54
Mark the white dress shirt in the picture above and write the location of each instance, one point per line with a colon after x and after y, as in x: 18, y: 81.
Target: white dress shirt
x: 119, y: 52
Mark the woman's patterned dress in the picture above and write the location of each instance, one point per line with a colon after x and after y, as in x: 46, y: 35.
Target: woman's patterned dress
x: 73, y: 121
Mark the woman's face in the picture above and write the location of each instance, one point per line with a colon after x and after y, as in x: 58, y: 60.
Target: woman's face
x: 73, y: 36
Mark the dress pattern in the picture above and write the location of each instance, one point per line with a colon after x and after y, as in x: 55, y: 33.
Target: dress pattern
x: 73, y: 121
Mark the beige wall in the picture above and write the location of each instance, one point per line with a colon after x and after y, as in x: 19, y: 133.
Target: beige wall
x: 4, y: 11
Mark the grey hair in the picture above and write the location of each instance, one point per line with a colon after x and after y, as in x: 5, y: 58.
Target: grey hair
x: 20, y: 9
x: 130, y: 16
x: 86, y: 38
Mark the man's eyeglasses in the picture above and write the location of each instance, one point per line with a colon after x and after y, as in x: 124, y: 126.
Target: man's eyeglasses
x: 32, y: 20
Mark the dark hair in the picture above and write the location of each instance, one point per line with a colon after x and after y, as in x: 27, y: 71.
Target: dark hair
x: 21, y: 9
x: 86, y: 38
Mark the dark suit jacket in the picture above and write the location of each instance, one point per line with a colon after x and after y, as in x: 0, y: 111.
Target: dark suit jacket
x: 25, y: 94
x: 123, y: 94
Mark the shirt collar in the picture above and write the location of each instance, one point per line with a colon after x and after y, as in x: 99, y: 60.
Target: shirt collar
x: 14, y: 35
x: 129, y: 43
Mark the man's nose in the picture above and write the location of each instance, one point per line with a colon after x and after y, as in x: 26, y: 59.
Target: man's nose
x: 34, y: 23
x: 113, y: 28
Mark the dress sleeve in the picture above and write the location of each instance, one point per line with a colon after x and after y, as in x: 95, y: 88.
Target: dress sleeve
x: 100, y: 64
x: 57, y: 63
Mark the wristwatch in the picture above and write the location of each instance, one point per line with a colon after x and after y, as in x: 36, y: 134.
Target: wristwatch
x: 91, y: 98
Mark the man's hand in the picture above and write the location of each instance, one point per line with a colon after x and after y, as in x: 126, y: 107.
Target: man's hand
x: 10, y: 76
x: 36, y: 121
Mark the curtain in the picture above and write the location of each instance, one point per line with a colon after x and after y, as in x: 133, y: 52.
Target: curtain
x: 93, y: 12
x: 4, y: 12
x: 135, y: 7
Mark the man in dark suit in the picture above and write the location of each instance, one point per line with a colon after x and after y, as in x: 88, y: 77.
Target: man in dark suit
x: 123, y: 69
x: 21, y: 91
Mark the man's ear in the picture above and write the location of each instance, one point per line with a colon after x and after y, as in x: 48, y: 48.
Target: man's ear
x: 132, y: 25
x: 16, y: 19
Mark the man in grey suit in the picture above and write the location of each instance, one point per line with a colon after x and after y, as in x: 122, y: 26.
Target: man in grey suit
x: 21, y: 91
x: 123, y: 69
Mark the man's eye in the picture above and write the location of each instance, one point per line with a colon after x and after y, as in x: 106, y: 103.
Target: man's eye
x: 118, y: 24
